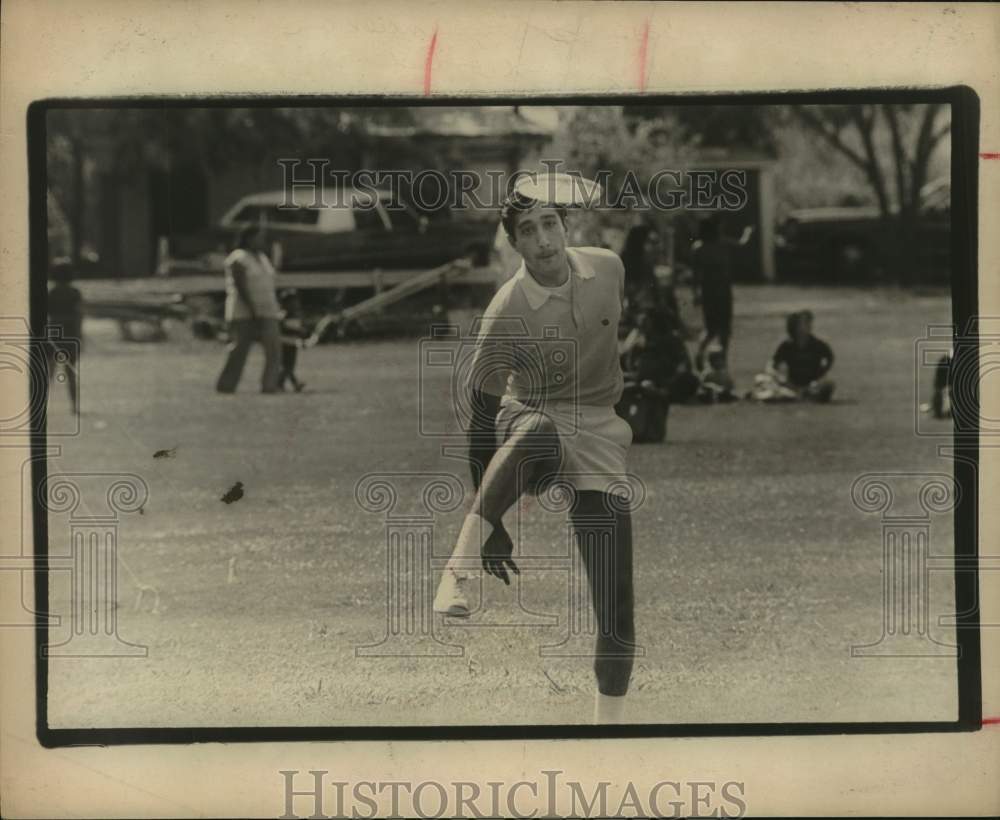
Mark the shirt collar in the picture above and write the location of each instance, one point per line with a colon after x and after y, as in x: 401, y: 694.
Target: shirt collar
x: 536, y: 294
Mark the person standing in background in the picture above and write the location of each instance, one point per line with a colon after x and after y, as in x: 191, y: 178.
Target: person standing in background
x: 712, y: 266
x: 639, y: 253
x: 65, y: 304
x: 252, y: 311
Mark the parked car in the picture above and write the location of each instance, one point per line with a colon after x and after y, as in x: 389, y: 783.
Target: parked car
x: 852, y: 244
x: 358, y: 231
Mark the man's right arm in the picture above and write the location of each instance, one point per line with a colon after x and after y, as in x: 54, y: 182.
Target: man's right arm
x: 482, y: 433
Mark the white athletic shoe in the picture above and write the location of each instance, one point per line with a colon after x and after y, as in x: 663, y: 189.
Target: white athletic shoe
x: 452, y: 595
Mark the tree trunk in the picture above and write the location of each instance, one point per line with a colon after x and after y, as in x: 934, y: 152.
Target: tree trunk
x: 912, y: 266
x: 871, y: 166
x: 907, y: 250
x: 77, y: 207
x: 901, y: 228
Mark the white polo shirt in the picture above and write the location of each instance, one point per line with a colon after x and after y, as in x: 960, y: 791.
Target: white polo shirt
x: 538, y: 345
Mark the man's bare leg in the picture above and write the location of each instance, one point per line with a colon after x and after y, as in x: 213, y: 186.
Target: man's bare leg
x: 529, y: 454
x: 602, y: 527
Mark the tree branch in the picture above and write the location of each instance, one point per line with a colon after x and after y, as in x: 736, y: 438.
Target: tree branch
x: 830, y: 135
x: 900, y: 159
x: 872, y: 168
x: 927, y: 130
x: 925, y: 147
x: 940, y: 134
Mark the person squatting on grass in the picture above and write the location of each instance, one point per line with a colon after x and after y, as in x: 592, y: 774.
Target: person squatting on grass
x: 798, y: 370
x: 293, y: 336
x: 535, y: 421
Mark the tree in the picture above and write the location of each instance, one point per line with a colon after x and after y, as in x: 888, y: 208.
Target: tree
x: 624, y: 153
x: 120, y: 142
x: 893, y: 145
x: 749, y: 127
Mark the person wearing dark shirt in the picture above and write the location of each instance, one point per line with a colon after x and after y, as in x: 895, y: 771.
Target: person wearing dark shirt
x: 65, y: 306
x: 799, y: 367
x: 711, y: 267
x: 638, y: 256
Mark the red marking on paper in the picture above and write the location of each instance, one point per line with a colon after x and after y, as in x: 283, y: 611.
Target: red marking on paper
x: 988, y: 721
x: 429, y: 62
x: 643, y: 48
x: 990, y: 155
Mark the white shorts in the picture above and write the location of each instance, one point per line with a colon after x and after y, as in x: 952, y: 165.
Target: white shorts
x: 593, y: 440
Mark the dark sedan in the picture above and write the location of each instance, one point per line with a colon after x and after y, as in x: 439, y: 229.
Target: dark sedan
x: 856, y: 244
x: 357, y: 232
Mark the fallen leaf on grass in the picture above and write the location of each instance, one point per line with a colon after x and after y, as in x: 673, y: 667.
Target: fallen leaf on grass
x: 234, y: 493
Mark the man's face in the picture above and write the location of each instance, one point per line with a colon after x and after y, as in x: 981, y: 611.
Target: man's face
x: 540, y: 237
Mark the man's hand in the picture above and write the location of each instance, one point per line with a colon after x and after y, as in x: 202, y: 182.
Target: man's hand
x: 496, y: 554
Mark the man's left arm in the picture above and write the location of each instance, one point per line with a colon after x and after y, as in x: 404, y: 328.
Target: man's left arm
x: 486, y: 383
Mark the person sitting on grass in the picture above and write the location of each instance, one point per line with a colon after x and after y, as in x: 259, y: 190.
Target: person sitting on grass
x: 716, y: 384
x: 654, y: 350
x: 798, y: 370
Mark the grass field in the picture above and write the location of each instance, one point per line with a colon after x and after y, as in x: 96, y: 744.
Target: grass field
x: 754, y: 571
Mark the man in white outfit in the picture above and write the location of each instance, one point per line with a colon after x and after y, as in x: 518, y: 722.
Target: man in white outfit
x: 539, y: 416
